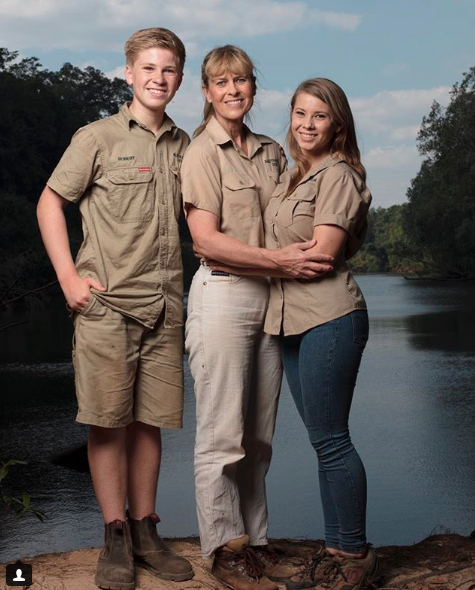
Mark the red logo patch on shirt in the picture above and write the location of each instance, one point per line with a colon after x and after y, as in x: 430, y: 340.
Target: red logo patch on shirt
x: 144, y: 169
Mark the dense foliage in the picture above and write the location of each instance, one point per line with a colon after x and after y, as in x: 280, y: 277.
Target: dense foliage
x: 386, y: 248
x: 41, y: 110
x: 439, y: 219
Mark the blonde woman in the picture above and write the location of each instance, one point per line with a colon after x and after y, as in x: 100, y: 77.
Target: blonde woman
x: 228, y: 176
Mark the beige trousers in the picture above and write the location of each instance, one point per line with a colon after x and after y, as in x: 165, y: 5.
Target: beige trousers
x: 237, y: 373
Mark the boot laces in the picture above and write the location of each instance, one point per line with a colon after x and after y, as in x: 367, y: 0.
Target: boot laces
x: 265, y: 553
x: 251, y: 562
x: 310, y: 567
x: 332, y: 572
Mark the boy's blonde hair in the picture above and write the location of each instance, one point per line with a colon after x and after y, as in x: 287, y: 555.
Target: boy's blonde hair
x: 154, y: 37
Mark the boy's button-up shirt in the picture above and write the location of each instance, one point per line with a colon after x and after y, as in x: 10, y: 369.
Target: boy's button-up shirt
x: 127, y: 183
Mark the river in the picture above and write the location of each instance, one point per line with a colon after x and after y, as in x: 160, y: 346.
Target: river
x: 413, y: 422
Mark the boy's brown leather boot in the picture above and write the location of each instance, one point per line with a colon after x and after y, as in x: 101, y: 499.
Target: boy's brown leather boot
x: 115, y: 568
x: 151, y: 552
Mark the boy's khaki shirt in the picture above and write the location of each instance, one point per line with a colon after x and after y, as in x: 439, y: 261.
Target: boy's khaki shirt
x: 218, y: 177
x: 331, y: 194
x: 127, y: 183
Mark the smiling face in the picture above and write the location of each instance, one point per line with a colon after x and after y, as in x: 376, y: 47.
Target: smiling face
x: 231, y: 95
x: 312, y: 127
x: 155, y: 76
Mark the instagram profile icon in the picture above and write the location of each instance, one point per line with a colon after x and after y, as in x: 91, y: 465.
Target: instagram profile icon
x: 19, y: 574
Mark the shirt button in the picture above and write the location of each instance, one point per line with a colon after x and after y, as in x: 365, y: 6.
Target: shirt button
x: 241, y: 182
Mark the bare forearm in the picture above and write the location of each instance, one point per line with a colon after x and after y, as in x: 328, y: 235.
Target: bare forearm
x: 240, y: 270
x: 211, y: 243
x: 54, y: 232
x: 229, y: 251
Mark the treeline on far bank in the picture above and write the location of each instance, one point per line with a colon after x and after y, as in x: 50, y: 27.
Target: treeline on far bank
x: 430, y: 235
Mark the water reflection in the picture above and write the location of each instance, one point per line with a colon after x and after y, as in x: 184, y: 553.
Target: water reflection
x: 413, y: 422
x: 448, y: 331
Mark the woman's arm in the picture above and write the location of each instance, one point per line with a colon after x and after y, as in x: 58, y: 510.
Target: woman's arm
x: 296, y: 261
x: 329, y: 240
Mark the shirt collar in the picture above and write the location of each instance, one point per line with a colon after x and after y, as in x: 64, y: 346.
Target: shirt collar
x: 221, y: 137
x: 327, y: 162
x: 129, y: 119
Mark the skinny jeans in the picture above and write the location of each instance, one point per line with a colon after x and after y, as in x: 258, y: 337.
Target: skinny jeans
x: 237, y: 372
x: 321, y: 366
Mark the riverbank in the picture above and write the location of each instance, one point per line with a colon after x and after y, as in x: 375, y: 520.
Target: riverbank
x: 440, y: 562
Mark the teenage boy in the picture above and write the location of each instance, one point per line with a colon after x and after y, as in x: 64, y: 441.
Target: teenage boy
x: 126, y: 294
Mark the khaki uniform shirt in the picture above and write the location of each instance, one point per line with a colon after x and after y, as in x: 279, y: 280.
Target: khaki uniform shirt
x: 126, y: 180
x: 331, y: 194
x: 218, y: 177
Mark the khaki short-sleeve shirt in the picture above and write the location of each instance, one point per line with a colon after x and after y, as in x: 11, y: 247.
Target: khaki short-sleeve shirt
x: 218, y: 177
x: 127, y: 183
x: 331, y: 194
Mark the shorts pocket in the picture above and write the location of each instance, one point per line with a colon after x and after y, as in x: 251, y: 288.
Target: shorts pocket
x: 93, y: 309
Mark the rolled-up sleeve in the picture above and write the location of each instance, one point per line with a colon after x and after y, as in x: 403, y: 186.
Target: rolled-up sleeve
x: 201, y: 181
x: 343, y: 200
x: 79, y: 167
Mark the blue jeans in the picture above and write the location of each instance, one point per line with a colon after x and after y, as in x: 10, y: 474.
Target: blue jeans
x: 321, y: 367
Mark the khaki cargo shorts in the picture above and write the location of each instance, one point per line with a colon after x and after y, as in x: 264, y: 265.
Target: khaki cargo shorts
x: 126, y: 372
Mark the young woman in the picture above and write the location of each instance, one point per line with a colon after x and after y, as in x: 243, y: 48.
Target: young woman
x: 228, y: 176
x: 323, y: 323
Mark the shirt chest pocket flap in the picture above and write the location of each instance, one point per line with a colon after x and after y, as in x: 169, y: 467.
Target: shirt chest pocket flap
x: 131, y: 194
x: 241, y: 196
x: 299, y: 208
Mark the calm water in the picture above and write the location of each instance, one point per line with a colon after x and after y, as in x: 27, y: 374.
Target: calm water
x: 413, y: 422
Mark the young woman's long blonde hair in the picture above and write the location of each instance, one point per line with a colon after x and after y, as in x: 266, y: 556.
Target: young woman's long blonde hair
x: 219, y: 61
x: 344, y: 142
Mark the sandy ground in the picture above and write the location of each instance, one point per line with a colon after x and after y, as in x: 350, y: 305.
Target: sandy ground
x: 440, y: 562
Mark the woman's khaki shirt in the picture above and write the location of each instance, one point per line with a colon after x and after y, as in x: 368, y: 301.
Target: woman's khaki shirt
x: 331, y: 194
x: 218, y: 177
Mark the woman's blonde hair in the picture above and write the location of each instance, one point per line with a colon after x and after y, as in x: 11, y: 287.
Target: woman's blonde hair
x: 217, y: 62
x: 344, y: 142
x: 154, y: 37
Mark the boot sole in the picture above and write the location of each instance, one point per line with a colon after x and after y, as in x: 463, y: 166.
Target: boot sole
x: 169, y: 577
x: 225, y: 583
x: 105, y: 585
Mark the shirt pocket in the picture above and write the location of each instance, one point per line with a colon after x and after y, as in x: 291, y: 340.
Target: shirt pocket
x: 131, y: 194
x: 298, y: 210
x: 241, y: 196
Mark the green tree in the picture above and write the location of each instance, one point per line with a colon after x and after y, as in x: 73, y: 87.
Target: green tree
x: 41, y: 110
x: 440, y: 215
x: 386, y: 248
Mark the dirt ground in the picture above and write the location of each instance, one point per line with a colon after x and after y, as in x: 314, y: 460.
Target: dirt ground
x: 440, y: 562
